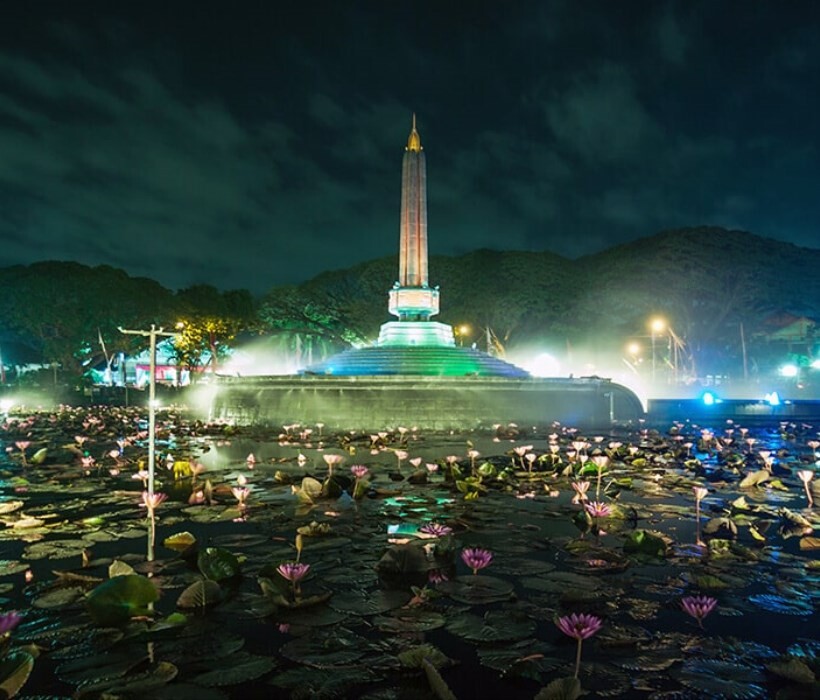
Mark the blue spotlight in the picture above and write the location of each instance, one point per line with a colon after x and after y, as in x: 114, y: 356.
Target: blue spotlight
x: 708, y: 398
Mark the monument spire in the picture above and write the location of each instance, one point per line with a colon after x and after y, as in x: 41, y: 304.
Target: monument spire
x: 418, y: 305
x: 411, y: 298
x: 414, y: 140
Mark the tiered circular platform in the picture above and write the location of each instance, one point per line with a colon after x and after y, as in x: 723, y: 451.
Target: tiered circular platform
x: 421, y: 361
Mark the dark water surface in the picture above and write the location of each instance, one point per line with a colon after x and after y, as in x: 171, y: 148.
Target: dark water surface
x: 491, y: 635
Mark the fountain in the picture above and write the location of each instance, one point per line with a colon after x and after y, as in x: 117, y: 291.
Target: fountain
x: 415, y: 375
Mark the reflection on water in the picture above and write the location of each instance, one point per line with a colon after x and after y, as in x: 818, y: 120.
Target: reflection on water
x: 630, y: 567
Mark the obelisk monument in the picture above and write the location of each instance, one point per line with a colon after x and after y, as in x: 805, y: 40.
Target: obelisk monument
x: 412, y: 300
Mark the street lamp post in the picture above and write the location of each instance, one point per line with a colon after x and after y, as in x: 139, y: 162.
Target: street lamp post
x: 152, y: 417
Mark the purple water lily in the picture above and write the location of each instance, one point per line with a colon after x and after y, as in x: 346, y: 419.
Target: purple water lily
x: 435, y: 530
x: 698, y: 606
x: 293, y: 571
x: 580, y: 627
x: 476, y: 558
x: 8, y: 621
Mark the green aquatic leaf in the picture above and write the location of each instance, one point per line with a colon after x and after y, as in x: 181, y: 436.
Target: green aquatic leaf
x: 200, y: 594
x: 754, y: 479
x: 117, y: 600
x: 38, y: 457
x: 437, y: 684
x: 647, y: 544
x: 792, y: 669
x: 143, y: 682
x: 561, y: 689
x: 120, y: 568
x: 494, y: 626
x: 179, y: 542
x: 236, y: 669
x: 414, y: 657
x: 15, y: 669
x: 218, y: 564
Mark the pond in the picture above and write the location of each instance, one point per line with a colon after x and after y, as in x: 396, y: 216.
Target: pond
x: 295, y: 563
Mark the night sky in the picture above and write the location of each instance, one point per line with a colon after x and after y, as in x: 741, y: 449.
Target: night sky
x: 252, y: 144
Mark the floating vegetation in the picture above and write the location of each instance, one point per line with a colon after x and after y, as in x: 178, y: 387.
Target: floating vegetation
x: 400, y: 565
x: 713, y: 678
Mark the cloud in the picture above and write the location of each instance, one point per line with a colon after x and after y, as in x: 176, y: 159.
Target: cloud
x: 139, y: 175
x: 669, y: 38
x: 599, y: 117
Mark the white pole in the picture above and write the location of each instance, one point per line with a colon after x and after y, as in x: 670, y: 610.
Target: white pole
x: 152, y: 415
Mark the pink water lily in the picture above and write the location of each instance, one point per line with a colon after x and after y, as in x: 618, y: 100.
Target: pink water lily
x: 435, y: 529
x: 401, y: 455
x: 8, y: 621
x: 601, y: 462
x: 240, y: 493
x: 580, y: 488
x: 152, y: 501
x: 476, y: 558
x: 23, y: 445
x: 521, y: 451
x: 698, y: 606
x: 598, y: 509
x: 143, y: 475
x: 359, y: 471
x: 293, y: 571
x: 700, y: 493
x: 806, y: 475
x: 332, y: 461
x: 579, y: 627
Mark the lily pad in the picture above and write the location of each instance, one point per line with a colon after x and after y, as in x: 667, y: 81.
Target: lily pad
x: 142, y: 682
x: 119, y: 599
x: 561, y: 689
x: 477, y: 589
x: 180, y: 541
x: 59, y: 597
x: 722, y: 679
x: 199, y: 595
x: 495, y: 626
x: 417, y: 655
x: 97, y: 666
x: 780, y: 604
x: 525, y: 659
x: 8, y: 568
x: 14, y: 672
x: 233, y: 670
x: 322, y: 649
x: 793, y: 670
x: 645, y: 544
x: 217, y: 564
x: 410, y: 620
x: 369, y: 602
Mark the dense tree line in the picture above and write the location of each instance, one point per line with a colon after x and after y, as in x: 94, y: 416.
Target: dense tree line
x: 714, y: 287
x: 69, y: 315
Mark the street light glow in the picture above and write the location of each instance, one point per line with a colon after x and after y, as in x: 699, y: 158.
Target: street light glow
x: 657, y: 325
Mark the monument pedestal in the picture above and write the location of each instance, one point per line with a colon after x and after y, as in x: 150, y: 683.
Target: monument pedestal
x: 408, y: 333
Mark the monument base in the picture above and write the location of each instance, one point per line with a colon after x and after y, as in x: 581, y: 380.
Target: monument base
x: 374, y: 403
x: 409, y: 333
